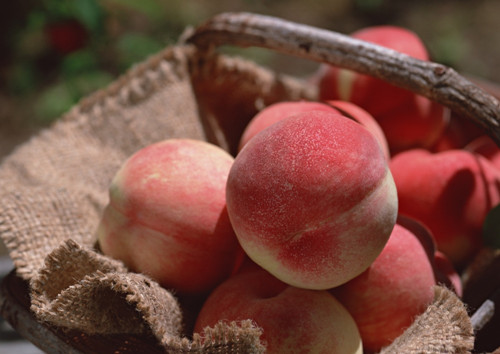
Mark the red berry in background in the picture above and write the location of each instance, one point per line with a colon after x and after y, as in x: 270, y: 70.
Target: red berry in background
x: 66, y: 36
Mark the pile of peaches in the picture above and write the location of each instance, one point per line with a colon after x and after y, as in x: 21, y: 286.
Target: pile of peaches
x: 331, y: 225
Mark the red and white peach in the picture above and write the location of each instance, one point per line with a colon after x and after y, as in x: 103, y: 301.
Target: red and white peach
x: 407, y: 119
x: 446, y: 274
x: 364, y: 118
x: 167, y: 215
x: 276, y: 112
x: 485, y: 146
x: 444, y: 271
x: 312, y: 200
x: 293, y: 320
x: 450, y: 192
x: 385, y: 299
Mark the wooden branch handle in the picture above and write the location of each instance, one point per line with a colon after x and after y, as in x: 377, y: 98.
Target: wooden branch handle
x: 432, y: 80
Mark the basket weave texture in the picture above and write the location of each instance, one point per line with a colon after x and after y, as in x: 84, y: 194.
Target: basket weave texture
x: 54, y: 188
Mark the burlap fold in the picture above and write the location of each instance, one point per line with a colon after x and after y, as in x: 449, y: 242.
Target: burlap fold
x: 101, y: 296
x: 54, y: 187
x: 443, y: 328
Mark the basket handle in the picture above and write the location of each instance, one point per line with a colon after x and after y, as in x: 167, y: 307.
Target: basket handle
x: 432, y: 80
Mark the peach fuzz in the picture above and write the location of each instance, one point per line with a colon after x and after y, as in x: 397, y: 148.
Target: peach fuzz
x: 312, y: 200
x: 385, y: 299
x: 408, y: 120
x: 450, y: 192
x: 364, y: 118
x: 276, y: 112
x: 167, y: 215
x: 293, y: 320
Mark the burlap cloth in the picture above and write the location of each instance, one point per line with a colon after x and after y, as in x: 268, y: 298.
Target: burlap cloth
x: 54, y: 188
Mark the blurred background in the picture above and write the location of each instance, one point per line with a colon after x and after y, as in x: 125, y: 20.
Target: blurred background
x: 55, y: 52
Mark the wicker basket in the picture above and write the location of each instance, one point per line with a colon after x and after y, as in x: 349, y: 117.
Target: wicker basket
x: 66, y: 297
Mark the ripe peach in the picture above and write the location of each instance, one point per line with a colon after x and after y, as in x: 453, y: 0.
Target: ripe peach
x: 450, y: 192
x: 364, y: 118
x: 385, y: 299
x: 485, y: 146
x: 276, y: 112
x: 293, y: 320
x: 167, y: 215
x: 446, y: 274
x: 408, y: 120
x: 459, y: 132
x: 312, y: 200
x: 444, y: 271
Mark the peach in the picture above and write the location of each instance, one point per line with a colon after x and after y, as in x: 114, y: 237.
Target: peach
x: 293, y: 320
x: 276, y: 112
x: 167, y: 215
x: 450, y: 192
x: 385, y: 299
x: 459, y: 132
x: 407, y: 119
x: 364, y: 118
x: 444, y: 271
x: 446, y: 274
x: 312, y: 200
x: 485, y: 146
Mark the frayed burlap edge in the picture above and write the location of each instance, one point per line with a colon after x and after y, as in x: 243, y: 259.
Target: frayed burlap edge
x: 101, y: 296
x: 444, y: 327
x: 104, y: 298
x: 236, y: 337
x: 53, y: 190
x: 173, y: 94
x: 102, y: 125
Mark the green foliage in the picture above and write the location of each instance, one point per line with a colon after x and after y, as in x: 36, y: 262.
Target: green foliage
x: 124, y: 32
x: 77, y: 62
x: 21, y: 78
x: 58, y: 98
x: 134, y: 47
x: 53, y: 101
x: 90, y: 14
x: 152, y: 9
x: 368, y: 5
x: 447, y: 45
x: 58, y: 81
x: 491, y: 228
